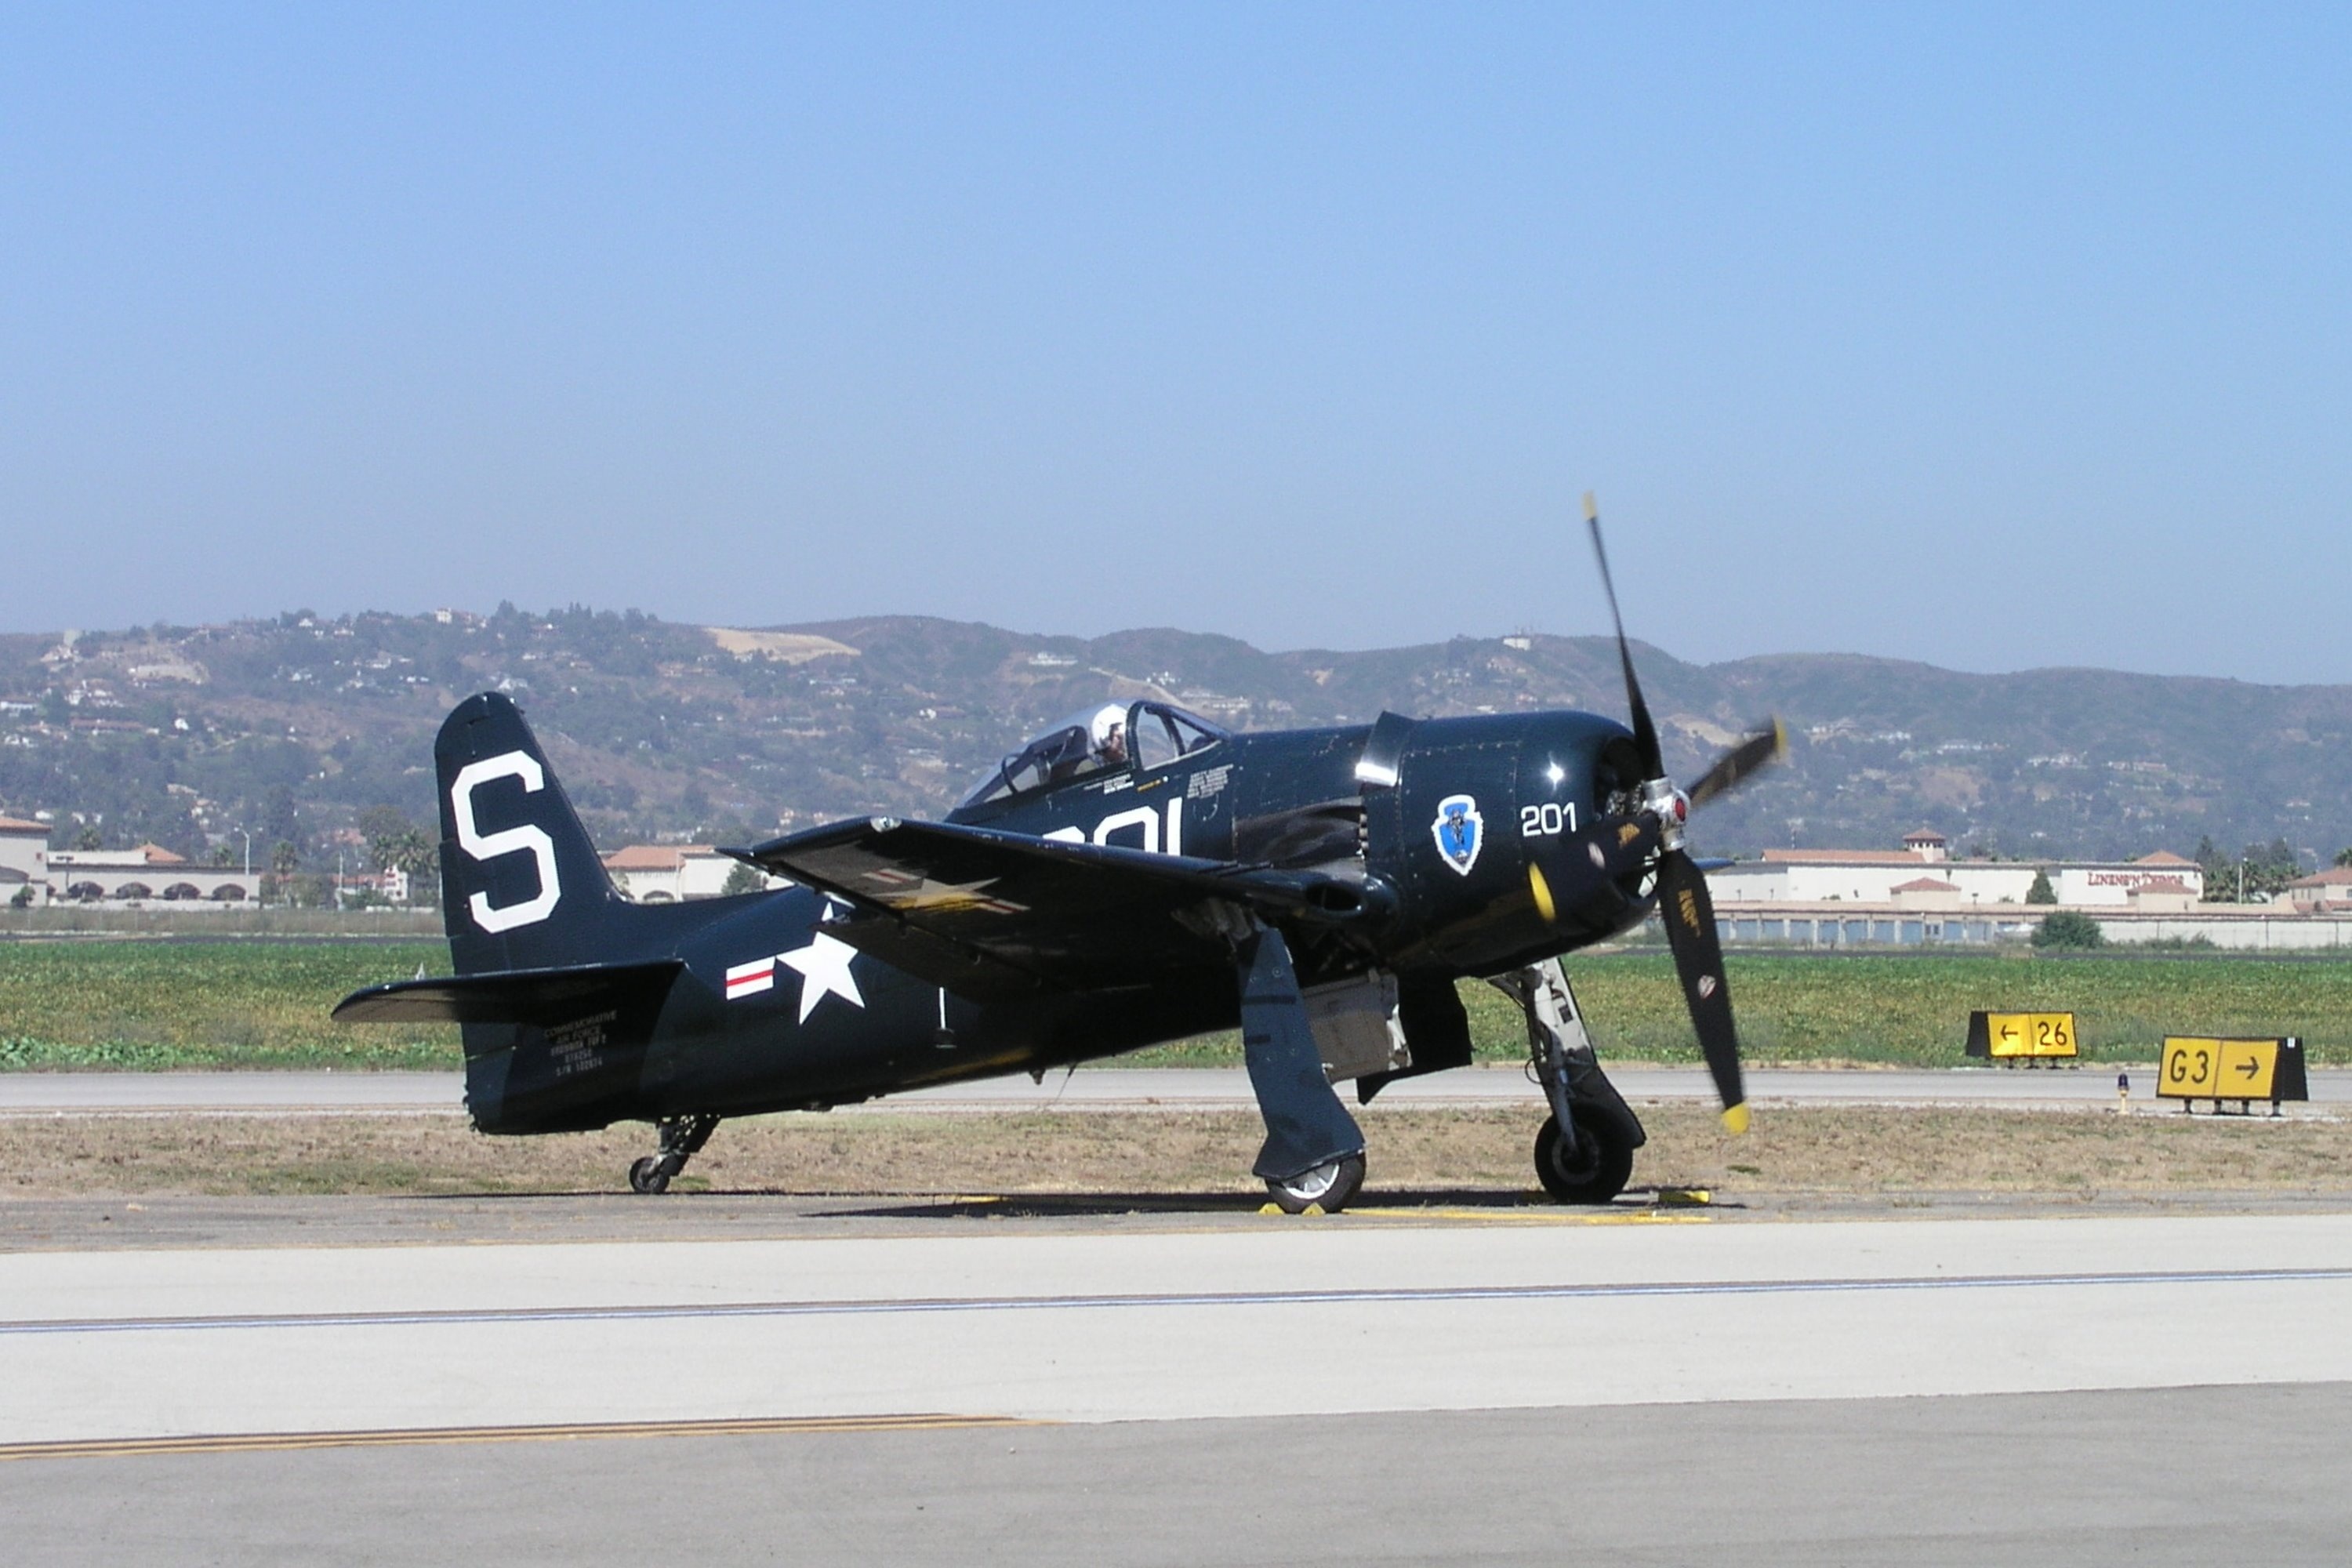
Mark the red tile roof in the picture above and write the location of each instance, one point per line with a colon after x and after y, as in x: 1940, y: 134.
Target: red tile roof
x: 19, y: 825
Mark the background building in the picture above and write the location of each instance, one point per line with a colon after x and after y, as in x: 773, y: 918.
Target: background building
x: 1876, y: 876
x: 149, y: 874
x: 23, y: 861
x: 670, y: 873
x: 1920, y: 896
x: 2329, y: 890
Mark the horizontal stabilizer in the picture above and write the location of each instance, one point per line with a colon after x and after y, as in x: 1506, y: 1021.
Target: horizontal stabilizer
x: 541, y: 996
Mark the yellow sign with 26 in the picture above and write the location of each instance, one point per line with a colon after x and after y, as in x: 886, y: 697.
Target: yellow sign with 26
x: 2012, y: 1034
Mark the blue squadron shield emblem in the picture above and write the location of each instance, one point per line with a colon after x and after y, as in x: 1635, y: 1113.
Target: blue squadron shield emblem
x: 1459, y: 830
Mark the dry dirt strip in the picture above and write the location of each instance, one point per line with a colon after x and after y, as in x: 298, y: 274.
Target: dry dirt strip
x: 1843, y: 1149
x: 1128, y: 1089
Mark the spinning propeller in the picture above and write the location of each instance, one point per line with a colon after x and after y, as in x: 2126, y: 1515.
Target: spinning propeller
x: 1683, y: 901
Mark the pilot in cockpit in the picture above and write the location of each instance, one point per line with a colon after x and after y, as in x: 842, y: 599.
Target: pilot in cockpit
x: 1109, y: 729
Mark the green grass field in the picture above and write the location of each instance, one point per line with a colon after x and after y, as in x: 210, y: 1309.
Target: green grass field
x: 145, y: 1004
x: 160, y: 1004
x: 1913, y: 1009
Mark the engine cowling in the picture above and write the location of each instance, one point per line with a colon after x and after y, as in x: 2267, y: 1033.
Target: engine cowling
x: 1509, y: 837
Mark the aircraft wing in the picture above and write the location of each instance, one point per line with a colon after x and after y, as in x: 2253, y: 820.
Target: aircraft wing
x: 983, y: 912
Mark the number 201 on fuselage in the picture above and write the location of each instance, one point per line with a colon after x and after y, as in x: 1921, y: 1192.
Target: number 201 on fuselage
x: 1547, y: 820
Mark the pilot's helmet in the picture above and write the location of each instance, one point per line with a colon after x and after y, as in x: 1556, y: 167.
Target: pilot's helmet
x: 1107, y: 721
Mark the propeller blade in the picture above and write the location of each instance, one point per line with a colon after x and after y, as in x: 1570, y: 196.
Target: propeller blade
x: 1689, y: 915
x: 1646, y: 734
x: 1759, y: 750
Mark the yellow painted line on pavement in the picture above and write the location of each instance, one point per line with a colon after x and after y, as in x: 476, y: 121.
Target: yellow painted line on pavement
x: 1528, y: 1216
x: 428, y: 1437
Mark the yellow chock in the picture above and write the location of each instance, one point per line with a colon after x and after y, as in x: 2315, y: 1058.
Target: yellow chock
x: 1684, y: 1197
x: 1274, y: 1209
x: 1312, y: 1211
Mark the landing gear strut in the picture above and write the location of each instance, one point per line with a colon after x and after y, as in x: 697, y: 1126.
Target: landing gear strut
x: 1314, y: 1152
x: 1584, y: 1154
x: 682, y: 1138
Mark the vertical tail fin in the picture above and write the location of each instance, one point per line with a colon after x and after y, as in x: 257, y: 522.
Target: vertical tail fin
x: 522, y: 887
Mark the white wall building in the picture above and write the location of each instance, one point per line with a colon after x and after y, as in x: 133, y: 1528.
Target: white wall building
x: 670, y: 873
x: 23, y: 861
x: 1919, y: 895
x: 1923, y: 875
x: 149, y: 874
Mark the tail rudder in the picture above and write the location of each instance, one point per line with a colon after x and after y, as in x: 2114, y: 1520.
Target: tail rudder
x: 521, y: 885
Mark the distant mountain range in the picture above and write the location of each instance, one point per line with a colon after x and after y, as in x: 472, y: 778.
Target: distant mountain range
x: 289, y: 728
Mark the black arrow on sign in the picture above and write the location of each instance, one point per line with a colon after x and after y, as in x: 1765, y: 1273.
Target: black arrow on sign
x: 2009, y: 1031
x: 2248, y: 1068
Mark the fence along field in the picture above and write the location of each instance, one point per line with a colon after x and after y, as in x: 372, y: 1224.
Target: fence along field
x: 155, y: 1004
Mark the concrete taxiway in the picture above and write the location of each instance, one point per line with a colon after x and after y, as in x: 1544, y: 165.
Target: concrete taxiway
x: 1115, y: 1088
x: 1522, y: 1385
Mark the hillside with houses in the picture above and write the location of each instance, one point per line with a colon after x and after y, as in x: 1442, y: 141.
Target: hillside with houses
x: 305, y: 740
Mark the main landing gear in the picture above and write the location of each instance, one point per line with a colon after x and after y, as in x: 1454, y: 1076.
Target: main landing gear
x: 1584, y: 1154
x: 1314, y: 1152
x: 1331, y: 1186
x: 682, y: 1138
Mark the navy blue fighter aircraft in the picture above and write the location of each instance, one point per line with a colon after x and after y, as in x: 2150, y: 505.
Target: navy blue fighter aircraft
x: 1134, y: 875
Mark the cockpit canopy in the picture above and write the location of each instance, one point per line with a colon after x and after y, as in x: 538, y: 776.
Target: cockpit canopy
x: 1096, y: 740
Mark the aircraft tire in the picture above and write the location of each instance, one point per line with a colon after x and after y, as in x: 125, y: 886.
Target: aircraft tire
x: 1595, y: 1171
x: 1332, y: 1185
x: 648, y: 1176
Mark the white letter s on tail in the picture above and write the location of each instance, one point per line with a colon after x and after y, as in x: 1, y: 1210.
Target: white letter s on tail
x: 509, y: 841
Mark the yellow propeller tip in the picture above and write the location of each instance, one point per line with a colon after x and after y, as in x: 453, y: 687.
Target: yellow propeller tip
x: 1541, y: 891
x: 1779, y: 738
x: 1592, y: 507
x: 1735, y: 1119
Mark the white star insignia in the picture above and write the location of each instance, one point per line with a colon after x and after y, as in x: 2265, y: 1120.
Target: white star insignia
x: 823, y: 964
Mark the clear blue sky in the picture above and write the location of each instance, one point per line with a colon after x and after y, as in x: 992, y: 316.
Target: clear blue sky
x: 1993, y: 337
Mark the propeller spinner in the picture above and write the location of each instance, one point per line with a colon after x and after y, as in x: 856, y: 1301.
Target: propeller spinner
x: 1683, y: 901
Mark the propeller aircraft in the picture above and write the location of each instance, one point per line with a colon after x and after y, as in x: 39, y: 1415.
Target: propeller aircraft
x: 1134, y: 875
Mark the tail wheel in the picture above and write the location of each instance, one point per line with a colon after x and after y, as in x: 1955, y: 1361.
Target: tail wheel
x: 648, y: 1176
x: 1331, y: 1186
x: 1591, y: 1168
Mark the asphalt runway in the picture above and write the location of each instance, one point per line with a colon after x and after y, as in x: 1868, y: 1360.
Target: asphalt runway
x: 1414, y: 1387
x: 1120, y: 1088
